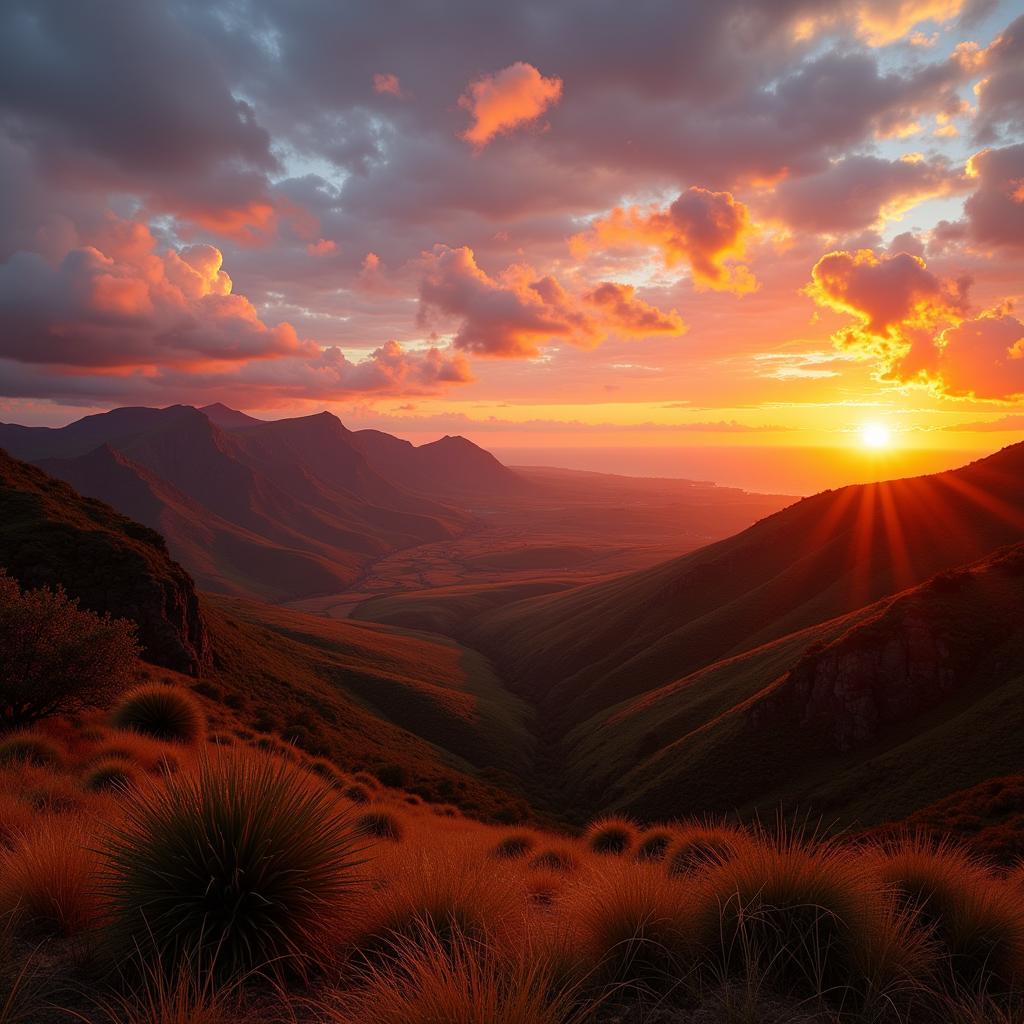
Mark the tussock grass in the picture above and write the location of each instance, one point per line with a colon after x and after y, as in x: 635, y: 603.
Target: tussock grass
x: 811, y: 918
x: 976, y: 921
x: 612, y: 835
x: 556, y: 858
x: 164, y: 712
x: 697, y: 848
x: 16, y: 817
x: 380, y: 825
x: 111, y: 774
x: 634, y: 925
x: 653, y: 844
x: 49, y: 879
x: 31, y: 748
x: 514, y: 845
x: 244, y: 862
x: 150, y: 754
x: 459, y: 981
x: 440, y: 892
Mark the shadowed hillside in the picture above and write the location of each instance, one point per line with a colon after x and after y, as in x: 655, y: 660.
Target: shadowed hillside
x: 50, y: 535
x: 575, y: 653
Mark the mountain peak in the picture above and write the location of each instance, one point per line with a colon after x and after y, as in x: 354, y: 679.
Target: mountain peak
x: 227, y: 418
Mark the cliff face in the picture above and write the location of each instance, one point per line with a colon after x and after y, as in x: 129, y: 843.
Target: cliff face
x: 960, y: 632
x: 50, y: 535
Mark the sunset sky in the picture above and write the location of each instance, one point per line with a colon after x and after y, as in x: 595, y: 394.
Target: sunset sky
x: 779, y: 244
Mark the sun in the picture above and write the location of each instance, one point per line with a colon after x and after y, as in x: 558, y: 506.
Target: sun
x: 875, y: 435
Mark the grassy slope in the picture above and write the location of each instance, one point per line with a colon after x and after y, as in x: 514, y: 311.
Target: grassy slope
x: 365, y: 695
x: 585, y: 650
x: 739, y: 735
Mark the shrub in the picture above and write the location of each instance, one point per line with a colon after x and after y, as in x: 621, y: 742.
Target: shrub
x: 391, y: 775
x: 163, y: 712
x: 611, y: 835
x: 110, y: 775
x: 635, y: 925
x: 513, y: 846
x: 56, y: 658
x: 977, y: 921
x: 653, y: 845
x: 48, y: 880
x: 698, y: 848
x: 243, y: 862
x: 811, y: 920
x: 380, y: 824
x: 30, y: 748
x: 460, y: 981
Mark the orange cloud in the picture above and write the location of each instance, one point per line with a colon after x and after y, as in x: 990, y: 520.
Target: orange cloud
x: 322, y: 247
x: 915, y: 325
x: 501, y: 102
x: 880, y: 22
x: 388, y: 84
x: 707, y: 230
x: 514, y: 314
x: 632, y: 316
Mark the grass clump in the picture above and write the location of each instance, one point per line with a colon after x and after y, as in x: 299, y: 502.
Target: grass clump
x: 514, y: 846
x: 111, y: 775
x: 976, y: 920
x: 48, y: 879
x: 244, y: 862
x: 163, y: 712
x: 698, y: 848
x: 810, y: 920
x: 460, y: 981
x: 31, y: 748
x: 611, y: 835
x: 380, y: 825
x: 556, y: 858
x: 653, y: 845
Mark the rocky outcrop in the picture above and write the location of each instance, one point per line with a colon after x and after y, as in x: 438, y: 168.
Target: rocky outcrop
x: 50, y: 535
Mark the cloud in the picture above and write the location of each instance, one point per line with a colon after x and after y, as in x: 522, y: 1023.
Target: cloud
x: 859, y: 192
x: 880, y: 22
x: 1007, y: 423
x: 518, y: 311
x: 513, y: 97
x: 707, y: 230
x: 1001, y: 92
x: 388, y: 85
x: 632, y: 316
x: 916, y: 326
x: 994, y: 213
x: 130, y: 306
x: 982, y: 358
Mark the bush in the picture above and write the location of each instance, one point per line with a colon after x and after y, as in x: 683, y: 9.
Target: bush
x: 243, y: 862
x: 611, y: 835
x: 48, y: 880
x: 30, y: 748
x: 812, y: 920
x: 460, y: 981
x: 163, y: 712
x: 56, y: 658
x: 513, y: 846
x: 653, y: 845
x: 976, y: 920
x: 111, y: 775
x: 380, y: 824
